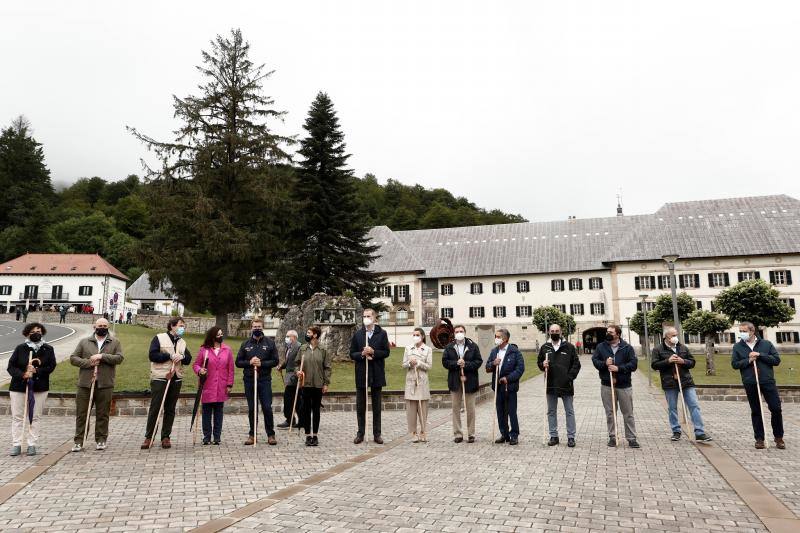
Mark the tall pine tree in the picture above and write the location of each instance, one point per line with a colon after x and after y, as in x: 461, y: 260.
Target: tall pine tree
x: 334, y: 254
x: 220, y: 191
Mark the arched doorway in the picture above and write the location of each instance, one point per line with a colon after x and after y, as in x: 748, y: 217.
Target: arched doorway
x: 592, y: 337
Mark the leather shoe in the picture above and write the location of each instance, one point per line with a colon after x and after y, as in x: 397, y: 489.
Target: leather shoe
x: 760, y: 445
x: 250, y: 440
x: 780, y: 444
x: 471, y: 439
x: 146, y: 444
x: 513, y: 441
x: 378, y: 439
x: 359, y: 439
x: 458, y: 440
x: 271, y: 440
x: 553, y: 441
x: 500, y: 440
x: 165, y: 443
x: 571, y: 443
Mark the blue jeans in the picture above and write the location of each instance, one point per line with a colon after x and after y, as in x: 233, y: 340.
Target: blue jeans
x: 690, y: 397
x: 507, y: 411
x: 552, y: 415
x: 212, y: 410
x: 265, y: 404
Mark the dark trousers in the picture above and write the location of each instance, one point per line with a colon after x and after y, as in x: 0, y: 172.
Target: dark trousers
x: 213, y: 410
x: 62, y: 319
x: 770, y: 393
x: 312, y: 403
x: 157, y: 394
x: 288, y: 402
x: 264, y: 401
x: 361, y: 407
x: 102, y: 408
x: 506, y: 407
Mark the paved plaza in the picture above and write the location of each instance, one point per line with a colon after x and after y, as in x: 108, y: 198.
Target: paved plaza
x: 438, y: 486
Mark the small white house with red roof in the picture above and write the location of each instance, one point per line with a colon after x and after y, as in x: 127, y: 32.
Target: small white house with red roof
x: 79, y: 281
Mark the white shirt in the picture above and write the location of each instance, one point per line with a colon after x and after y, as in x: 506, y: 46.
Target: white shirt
x: 501, y: 353
x: 460, y: 346
x: 753, y: 344
x: 370, y: 331
x: 100, y: 342
x: 556, y: 345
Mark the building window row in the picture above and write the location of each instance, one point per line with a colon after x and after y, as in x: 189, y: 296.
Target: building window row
x: 499, y: 287
x: 715, y: 279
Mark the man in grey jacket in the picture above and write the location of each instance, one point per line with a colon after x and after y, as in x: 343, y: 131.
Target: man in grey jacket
x: 290, y: 363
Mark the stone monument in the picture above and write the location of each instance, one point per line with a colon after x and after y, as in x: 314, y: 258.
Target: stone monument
x: 337, y: 316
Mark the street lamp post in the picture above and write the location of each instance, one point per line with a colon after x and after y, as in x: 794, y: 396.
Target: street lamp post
x: 670, y: 260
x: 646, y: 344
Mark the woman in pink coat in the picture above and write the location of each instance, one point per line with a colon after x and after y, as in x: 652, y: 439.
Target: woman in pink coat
x: 215, y: 362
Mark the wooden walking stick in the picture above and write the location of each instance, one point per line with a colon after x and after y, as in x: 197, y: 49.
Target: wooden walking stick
x: 296, y: 392
x: 614, y: 407
x: 761, y: 404
x: 161, y: 407
x: 366, y: 392
x: 200, y: 387
x: 255, y: 406
x: 463, y: 387
x: 89, y: 410
x: 683, y: 401
x: 494, y: 418
x: 544, y: 419
x: 27, y: 385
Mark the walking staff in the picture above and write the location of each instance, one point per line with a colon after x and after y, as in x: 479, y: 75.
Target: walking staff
x: 558, y: 359
x: 255, y: 407
x: 296, y: 393
x: 508, y: 365
x: 756, y: 358
x: 257, y: 356
x: 369, y: 348
x: 201, y: 380
x: 28, y: 383
x: 613, y: 381
x: 544, y: 410
x: 161, y: 407
x: 680, y: 391
x: 89, y: 409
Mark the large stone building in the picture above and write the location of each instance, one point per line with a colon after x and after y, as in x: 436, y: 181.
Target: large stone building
x: 595, y: 269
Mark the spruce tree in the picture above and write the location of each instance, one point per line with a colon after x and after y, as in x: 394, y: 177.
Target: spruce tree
x: 220, y: 190
x: 334, y: 255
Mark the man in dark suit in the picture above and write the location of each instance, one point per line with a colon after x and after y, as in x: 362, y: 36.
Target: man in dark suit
x: 462, y: 354
x: 290, y: 363
x: 507, y: 363
x: 369, y: 346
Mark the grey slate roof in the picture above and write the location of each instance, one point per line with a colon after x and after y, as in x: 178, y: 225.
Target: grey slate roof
x: 749, y: 226
x: 140, y: 290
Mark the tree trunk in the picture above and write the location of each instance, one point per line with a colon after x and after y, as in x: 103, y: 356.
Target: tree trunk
x: 222, y: 322
x: 711, y: 369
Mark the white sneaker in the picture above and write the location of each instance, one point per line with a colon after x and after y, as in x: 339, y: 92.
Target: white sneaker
x: 77, y: 448
x: 101, y: 445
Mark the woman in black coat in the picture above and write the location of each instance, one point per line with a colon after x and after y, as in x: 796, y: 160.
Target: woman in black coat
x: 30, y: 366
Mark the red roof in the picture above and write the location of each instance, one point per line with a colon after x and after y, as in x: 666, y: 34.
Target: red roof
x: 62, y: 264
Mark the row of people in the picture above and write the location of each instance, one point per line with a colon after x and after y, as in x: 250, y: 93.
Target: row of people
x: 98, y: 356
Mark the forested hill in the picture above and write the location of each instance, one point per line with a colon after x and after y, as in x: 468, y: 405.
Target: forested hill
x: 407, y: 207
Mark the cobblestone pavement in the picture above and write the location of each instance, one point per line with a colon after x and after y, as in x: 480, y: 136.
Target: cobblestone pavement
x: 438, y: 486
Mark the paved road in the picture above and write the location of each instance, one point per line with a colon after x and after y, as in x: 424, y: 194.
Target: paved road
x: 11, y: 334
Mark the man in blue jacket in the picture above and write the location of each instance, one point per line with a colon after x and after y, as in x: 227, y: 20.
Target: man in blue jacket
x: 507, y: 363
x: 258, y: 353
x: 369, y: 346
x: 750, y: 351
x: 615, y: 359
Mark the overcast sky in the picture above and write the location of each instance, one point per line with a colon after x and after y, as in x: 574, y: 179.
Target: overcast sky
x: 547, y: 109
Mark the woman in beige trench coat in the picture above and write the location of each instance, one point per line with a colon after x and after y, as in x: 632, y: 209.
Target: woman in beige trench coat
x: 417, y: 361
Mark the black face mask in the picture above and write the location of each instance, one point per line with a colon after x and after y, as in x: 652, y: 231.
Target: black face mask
x: 219, y: 339
x: 555, y: 336
x: 101, y: 332
x: 35, y: 337
x: 258, y: 332
x: 609, y: 337
x: 308, y: 338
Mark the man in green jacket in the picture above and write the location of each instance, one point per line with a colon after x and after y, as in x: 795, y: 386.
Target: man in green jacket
x: 751, y: 352
x: 102, y: 353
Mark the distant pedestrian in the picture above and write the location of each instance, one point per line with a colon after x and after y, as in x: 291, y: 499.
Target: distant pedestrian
x: 19, y: 313
x: 32, y: 360
x: 128, y: 318
x: 25, y: 314
x: 757, y: 357
x: 215, y: 361
x: 417, y: 361
x: 62, y: 314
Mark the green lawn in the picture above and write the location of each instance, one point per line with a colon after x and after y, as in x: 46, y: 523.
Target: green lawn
x: 787, y: 373
x: 134, y: 373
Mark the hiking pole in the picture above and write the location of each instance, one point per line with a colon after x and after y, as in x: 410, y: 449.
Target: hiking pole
x: 27, y: 390
x: 683, y: 400
x: 161, y: 407
x: 89, y: 410
x: 614, y: 407
x: 296, y: 392
x: 463, y: 388
x: 544, y: 411
x: 494, y: 418
x: 760, y: 404
x: 255, y: 406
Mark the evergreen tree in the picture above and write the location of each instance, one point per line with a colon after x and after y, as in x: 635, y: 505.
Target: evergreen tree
x: 334, y: 254
x: 219, y: 194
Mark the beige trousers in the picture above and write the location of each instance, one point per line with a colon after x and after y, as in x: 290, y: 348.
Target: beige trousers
x: 416, y: 415
x: 455, y: 398
x: 18, y: 413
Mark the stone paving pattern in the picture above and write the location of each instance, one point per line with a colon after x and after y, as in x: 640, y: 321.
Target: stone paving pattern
x: 438, y: 486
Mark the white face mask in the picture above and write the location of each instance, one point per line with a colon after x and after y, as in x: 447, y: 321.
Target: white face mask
x: 498, y: 341
x: 460, y: 336
x: 744, y: 335
x: 416, y: 338
x: 674, y: 340
x: 367, y: 321
x: 287, y: 340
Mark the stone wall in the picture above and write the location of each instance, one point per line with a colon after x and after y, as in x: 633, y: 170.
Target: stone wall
x: 136, y: 404
x: 788, y: 393
x: 194, y: 324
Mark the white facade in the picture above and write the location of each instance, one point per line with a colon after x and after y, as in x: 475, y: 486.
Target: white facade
x: 45, y: 290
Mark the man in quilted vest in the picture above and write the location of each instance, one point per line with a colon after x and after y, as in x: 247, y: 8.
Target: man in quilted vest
x: 168, y: 356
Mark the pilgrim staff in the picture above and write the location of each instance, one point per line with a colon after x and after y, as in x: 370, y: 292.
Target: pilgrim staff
x: 161, y: 408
